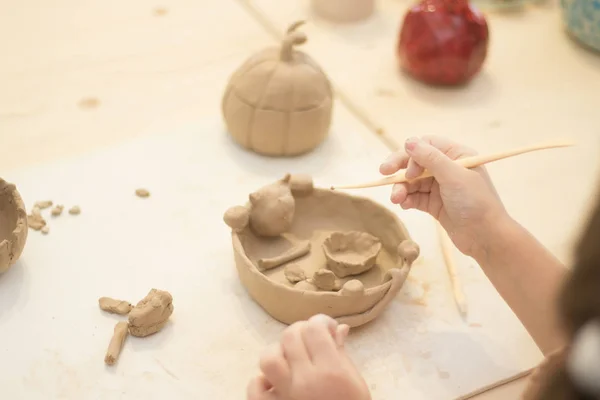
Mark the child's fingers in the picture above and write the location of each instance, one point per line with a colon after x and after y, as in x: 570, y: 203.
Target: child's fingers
x: 341, y: 334
x: 399, y: 193
x: 275, y: 368
x: 259, y: 389
x: 393, y: 163
x: 294, y: 349
x: 413, y: 169
x: 418, y: 200
x: 319, y: 337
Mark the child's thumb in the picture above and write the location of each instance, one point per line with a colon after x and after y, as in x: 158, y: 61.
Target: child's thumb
x: 442, y: 168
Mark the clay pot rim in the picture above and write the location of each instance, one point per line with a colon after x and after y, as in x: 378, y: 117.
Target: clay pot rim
x: 383, y: 286
x: 373, y: 251
x: 21, y: 226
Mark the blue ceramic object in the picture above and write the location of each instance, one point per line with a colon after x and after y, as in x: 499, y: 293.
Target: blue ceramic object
x: 582, y: 20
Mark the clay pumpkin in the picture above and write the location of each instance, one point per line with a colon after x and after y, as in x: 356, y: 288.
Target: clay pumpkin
x: 279, y: 102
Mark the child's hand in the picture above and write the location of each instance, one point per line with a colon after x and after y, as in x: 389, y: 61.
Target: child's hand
x: 464, y: 201
x: 309, y: 364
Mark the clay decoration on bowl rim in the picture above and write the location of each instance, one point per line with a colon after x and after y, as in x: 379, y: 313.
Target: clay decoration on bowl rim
x: 317, y: 214
x: 13, y: 225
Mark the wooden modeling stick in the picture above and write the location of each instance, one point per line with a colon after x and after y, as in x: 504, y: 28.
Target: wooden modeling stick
x: 468, y: 162
x: 447, y: 246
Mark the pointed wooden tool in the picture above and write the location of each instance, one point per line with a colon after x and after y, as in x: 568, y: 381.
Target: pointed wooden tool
x: 468, y: 162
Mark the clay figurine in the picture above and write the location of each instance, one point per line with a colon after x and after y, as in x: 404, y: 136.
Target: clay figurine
x: 351, y: 253
x: 151, y: 314
x: 343, y: 10
x: 279, y: 102
x: 13, y: 225
x: 356, y: 299
x: 272, y: 209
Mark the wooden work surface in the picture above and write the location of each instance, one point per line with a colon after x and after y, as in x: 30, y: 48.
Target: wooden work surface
x: 100, y: 98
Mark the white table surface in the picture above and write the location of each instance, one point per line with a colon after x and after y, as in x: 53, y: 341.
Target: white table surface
x: 159, y: 81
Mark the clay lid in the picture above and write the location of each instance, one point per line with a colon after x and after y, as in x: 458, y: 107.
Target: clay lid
x: 13, y: 225
x: 282, y: 78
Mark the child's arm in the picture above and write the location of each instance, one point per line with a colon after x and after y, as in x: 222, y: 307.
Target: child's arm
x: 528, y: 277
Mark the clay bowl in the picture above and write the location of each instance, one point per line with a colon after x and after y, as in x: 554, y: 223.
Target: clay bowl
x: 351, y: 253
x: 317, y: 216
x: 13, y: 225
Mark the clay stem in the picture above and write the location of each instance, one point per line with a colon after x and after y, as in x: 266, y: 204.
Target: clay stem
x: 459, y: 295
x: 291, y: 39
x: 468, y: 162
x: 116, y: 343
x: 291, y: 254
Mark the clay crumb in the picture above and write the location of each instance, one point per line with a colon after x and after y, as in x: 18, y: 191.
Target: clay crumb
x: 88, y: 103
x: 45, y: 230
x: 160, y: 11
x: 443, y: 374
x: 475, y: 325
x: 142, y: 193
x: 115, y: 306
x: 325, y: 279
x: 75, y: 210
x: 57, y: 210
x: 43, y: 204
x: 116, y: 343
x: 294, y: 273
x: 35, y: 220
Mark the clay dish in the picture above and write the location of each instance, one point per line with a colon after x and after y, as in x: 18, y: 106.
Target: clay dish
x: 319, y: 213
x: 351, y: 253
x: 13, y: 225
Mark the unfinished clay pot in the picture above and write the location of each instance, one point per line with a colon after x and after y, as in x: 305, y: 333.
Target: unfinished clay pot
x: 317, y: 215
x: 13, y: 225
x: 279, y: 102
x: 351, y: 253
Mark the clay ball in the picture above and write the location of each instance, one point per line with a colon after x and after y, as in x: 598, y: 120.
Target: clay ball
x: 13, y: 225
x: 353, y: 287
x: 301, y: 185
x: 272, y: 209
x: 237, y: 217
x: 408, y: 251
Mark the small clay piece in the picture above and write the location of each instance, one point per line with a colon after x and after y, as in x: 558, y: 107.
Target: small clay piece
x: 351, y: 253
x: 57, y: 210
x: 142, y: 193
x: 279, y: 102
x: 324, y: 279
x: 408, y: 251
x: 116, y: 343
x: 13, y: 225
x: 115, y: 306
x: 353, y: 287
x: 292, y: 254
x: 272, y: 209
x: 306, y: 286
x: 75, y: 210
x: 301, y: 185
x: 35, y: 219
x: 151, y: 314
x: 294, y: 273
x: 45, y: 230
x: 42, y: 205
x: 343, y: 10
x: 237, y: 218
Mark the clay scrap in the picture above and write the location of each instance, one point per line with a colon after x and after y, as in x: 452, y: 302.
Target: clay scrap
x: 116, y: 343
x: 351, y: 253
x: 75, y: 210
x: 325, y: 279
x: 292, y: 254
x: 13, y: 225
x: 57, y: 210
x: 35, y: 219
x: 142, y: 193
x: 115, y: 306
x: 294, y: 273
x: 151, y: 314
